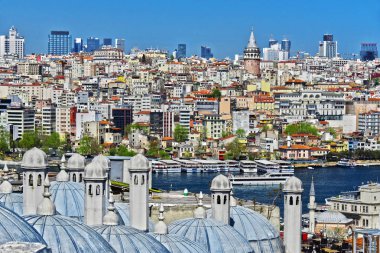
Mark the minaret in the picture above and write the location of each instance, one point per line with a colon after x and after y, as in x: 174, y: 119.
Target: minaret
x: 161, y: 228
x: 292, y: 215
x: 6, y: 186
x: 220, y: 198
x: 95, y: 178
x: 139, y: 192
x: 46, y: 206
x: 34, y: 164
x: 252, y: 56
x: 75, y: 166
x: 62, y: 176
x: 312, y: 207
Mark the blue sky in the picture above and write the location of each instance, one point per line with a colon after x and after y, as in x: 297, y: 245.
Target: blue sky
x: 224, y: 25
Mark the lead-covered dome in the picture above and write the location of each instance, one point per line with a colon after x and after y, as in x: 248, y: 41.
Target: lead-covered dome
x: 76, y: 162
x: 63, y: 234
x: 332, y: 217
x: 259, y: 232
x: 14, y: 228
x: 179, y: 244
x: 130, y: 240
x: 12, y: 201
x: 34, y: 159
x: 293, y: 184
x: 215, y: 236
x: 68, y: 198
x: 220, y: 183
x: 94, y: 170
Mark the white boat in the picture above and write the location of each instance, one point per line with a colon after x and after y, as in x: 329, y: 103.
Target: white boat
x: 284, y: 166
x: 310, y: 168
x: 344, y: 162
x: 166, y: 166
x: 271, y: 178
x: 267, y: 166
x: 247, y: 166
x: 232, y: 165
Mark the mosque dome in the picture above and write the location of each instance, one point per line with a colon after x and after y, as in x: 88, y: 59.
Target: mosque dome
x: 64, y: 234
x: 14, y: 228
x: 333, y: 217
x: 139, y: 163
x: 34, y: 158
x: 68, y: 198
x: 94, y: 170
x: 76, y: 162
x: 293, y: 184
x: 220, y: 182
x: 130, y: 240
x: 179, y: 244
x: 255, y: 228
x: 12, y: 201
x: 103, y: 161
x: 215, y: 236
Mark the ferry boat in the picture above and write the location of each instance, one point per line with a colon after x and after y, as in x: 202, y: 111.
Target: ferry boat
x: 267, y: 166
x: 270, y: 178
x: 247, y: 166
x: 166, y: 166
x: 284, y: 166
x: 232, y: 165
x: 189, y: 166
x: 344, y: 162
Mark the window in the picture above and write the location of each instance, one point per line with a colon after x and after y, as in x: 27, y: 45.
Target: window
x: 74, y: 177
x: 142, y: 180
x: 90, y: 190
x: 291, y: 201
x: 225, y: 200
x: 136, y: 180
x: 297, y: 201
x: 30, y: 180
x: 218, y: 200
x: 97, y: 190
x: 39, y: 180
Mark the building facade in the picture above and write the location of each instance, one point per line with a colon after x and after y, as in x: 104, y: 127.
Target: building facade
x: 59, y: 43
x: 252, y: 56
x: 13, y: 44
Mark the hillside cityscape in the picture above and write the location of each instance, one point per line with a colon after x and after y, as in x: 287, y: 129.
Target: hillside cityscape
x: 98, y: 144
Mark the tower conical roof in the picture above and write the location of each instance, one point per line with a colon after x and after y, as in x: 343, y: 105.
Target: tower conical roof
x: 312, y: 189
x: 252, y: 41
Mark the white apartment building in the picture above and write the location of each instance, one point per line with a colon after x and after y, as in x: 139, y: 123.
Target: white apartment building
x: 48, y: 120
x: 240, y: 120
x: 82, y: 118
x: 21, y: 117
x: 62, y: 123
x: 319, y: 104
x: 13, y: 44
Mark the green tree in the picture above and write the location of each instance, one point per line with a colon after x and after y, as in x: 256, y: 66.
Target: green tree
x: 29, y: 140
x: 301, y: 128
x: 240, y: 133
x: 216, y: 93
x: 122, y: 150
x: 180, y: 133
x: 234, y: 149
x: 154, y: 148
x: 4, y: 140
x: 52, y: 141
x: 89, y: 146
x: 331, y: 131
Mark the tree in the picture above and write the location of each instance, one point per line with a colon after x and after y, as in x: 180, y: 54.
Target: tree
x: 154, y: 149
x: 331, y: 131
x: 88, y: 146
x: 4, y: 142
x: 240, y: 133
x: 180, y: 133
x: 216, y: 93
x: 122, y: 150
x: 52, y: 141
x: 29, y: 140
x: 301, y: 128
x: 234, y: 149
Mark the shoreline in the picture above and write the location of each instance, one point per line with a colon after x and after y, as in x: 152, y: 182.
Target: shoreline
x: 362, y: 163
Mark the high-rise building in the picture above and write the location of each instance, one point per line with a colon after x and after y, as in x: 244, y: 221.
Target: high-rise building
x: 368, y: 51
x: 59, y: 43
x: 328, y: 47
x: 122, y: 117
x: 92, y: 44
x: 78, y: 45
x: 181, y: 51
x: 272, y: 41
x: 275, y: 53
x: 13, y: 44
x: 120, y: 44
x: 107, y: 42
x: 285, y: 45
x: 252, y: 56
x: 22, y: 117
x: 206, y: 52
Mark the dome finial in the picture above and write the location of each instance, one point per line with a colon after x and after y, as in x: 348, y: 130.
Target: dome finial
x: 63, y: 176
x: 46, y: 206
x: 111, y: 218
x: 161, y: 227
x: 200, y: 212
x: 6, y: 186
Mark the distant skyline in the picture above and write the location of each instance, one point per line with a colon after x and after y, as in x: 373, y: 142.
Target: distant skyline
x: 222, y: 25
